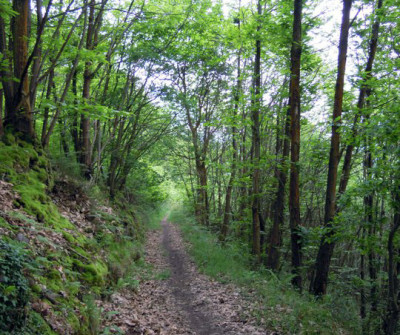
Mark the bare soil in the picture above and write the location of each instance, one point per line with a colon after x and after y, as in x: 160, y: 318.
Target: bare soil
x: 186, y: 302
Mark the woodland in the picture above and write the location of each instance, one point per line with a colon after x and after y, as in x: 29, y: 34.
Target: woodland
x: 269, y: 126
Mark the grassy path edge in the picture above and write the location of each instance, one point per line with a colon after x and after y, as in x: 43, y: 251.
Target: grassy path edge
x: 281, y: 307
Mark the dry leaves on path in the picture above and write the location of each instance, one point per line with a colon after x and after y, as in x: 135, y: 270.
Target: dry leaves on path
x: 186, y: 303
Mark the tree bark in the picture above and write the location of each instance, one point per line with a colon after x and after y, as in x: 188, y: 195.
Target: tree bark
x: 327, y: 244
x: 19, y: 112
x: 393, y: 310
x: 74, y: 128
x: 256, y: 102
x: 85, y: 157
x: 50, y: 85
x: 275, y: 235
x: 370, y: 224
x: 229, y: 189
x: 294, y: 105
x: 1, y: 114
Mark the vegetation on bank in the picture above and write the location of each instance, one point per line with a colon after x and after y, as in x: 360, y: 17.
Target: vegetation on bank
x: 62, y: 246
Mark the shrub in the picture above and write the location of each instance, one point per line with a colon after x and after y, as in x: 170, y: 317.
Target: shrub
x: 14, y: 289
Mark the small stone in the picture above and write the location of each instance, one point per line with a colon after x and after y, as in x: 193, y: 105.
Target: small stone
x: 22, y: 238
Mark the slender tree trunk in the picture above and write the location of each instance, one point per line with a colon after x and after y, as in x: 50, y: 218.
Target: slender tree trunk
x: 37, y: 54
x: 203, y: 192
x: 63, y: 137
x: 364, y: 93
x: 256, y: 102
x: 50, y: 85
x: 228, y: 195
x: 85, y: 157
x: 363, y: 300
x: 1, y: 114
x: 294, y: 102
x: 391, y: 319
x: 74, y: 128
x: 327, y: 245
x: 275, y: 236
x: 243, y: 189
x: 369, y: 222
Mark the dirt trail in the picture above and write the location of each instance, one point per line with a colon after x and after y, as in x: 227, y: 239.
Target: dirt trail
x: 186, y: 303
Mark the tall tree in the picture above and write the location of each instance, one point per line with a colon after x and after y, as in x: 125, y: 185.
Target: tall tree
x: 281, y: 171
x: 365, y: 91
x: 94, y: 25
x: 327, y: 245
x: 256, y: 143
x: 234, y: 132
x: 294, y: 105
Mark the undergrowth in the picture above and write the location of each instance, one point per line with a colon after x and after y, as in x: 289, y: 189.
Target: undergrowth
x: 51, y: 269
x: 283, y: 309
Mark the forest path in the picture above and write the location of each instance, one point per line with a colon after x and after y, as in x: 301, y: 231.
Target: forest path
x: 181, y: 301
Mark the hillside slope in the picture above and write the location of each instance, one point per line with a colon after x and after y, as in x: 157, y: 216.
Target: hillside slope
x: 59, y: 248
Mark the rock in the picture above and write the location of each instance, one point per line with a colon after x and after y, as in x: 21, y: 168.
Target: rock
x: 91, y: 217
x: 22, y: 238
x: 41, y: 307
x: 50, y: 296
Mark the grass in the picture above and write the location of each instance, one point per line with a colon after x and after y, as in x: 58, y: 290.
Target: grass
x: 283, y: 309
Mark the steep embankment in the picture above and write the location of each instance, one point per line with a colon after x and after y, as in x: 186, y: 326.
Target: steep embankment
x: 59, y: 248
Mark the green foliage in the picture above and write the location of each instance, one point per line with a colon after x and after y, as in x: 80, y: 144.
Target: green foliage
x: 6, y: 9
x: 93, y: 314
x: 122, y: 256
x: 14, y: 288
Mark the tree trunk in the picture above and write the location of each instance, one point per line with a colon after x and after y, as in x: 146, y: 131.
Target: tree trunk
x: 275, y: 236
x: 294, y: 102
x: 228, y: 195
x: 364, y: 93
x: 392, y: 316
x: 203, y: 210
x: 74, y: 128
x: 1, y: 114
x: 327, y: 245
x: 363, y: 302
x: 19, y: 113
x: 256, y: 101
x: 44, y: 139
x: 85, y: 156
x: 63, y: 137
x: 370, y: 224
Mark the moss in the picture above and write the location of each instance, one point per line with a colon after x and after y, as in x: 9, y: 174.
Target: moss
x: 36, y: 289
x: 93, y: 273
x: 73, y: 320
x: 5, y: 224
x: 54, y: 274
x: 9, y: 138
x: 54, y: 284
x: 36, y: 325
x: 68, y: 237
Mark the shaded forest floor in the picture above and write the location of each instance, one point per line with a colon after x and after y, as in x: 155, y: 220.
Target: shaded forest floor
x: 178, y: 299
